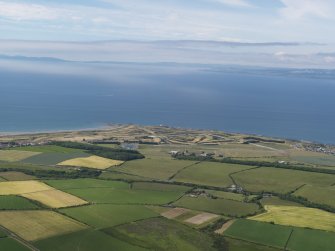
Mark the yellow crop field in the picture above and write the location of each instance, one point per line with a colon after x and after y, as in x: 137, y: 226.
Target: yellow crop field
x: 13, y: 155
x: 35, y: 225
x: 21, y: 187
x: 55, y: 198
x: 298, y: 217
x: 91, y: 162
x: 16, y: 176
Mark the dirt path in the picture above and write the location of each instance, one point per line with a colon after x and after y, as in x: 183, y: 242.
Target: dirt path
x: 225, y: 227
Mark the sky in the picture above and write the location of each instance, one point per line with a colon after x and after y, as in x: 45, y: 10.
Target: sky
x: 294, y: 32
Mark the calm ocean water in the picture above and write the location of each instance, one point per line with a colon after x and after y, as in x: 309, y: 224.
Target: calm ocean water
x: 288, y: 107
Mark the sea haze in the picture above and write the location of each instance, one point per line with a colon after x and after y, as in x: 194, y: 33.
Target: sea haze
x: 62, y: 96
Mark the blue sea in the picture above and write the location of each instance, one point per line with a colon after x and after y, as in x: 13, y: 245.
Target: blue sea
x: 294, y: 107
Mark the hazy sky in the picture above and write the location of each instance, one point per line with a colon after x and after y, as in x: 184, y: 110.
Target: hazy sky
x: 306, y: 27
x: 233, y: 20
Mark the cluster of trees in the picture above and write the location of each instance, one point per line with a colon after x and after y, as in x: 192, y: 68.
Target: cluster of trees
x: 254, y: 163
x: 306, y: 203
x: 48, y: 174
x: 106, y: 152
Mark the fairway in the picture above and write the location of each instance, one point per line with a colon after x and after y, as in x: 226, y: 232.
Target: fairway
x: 211, y: 174
x: 55, y: 198
x: 34, y: 225
x: 21, y: 187
x: 95, y: 162
x: 298, y: 217
x: 218, y: 206
x: 259, y: 232
x: 102, y: 216
x: 14, y: 155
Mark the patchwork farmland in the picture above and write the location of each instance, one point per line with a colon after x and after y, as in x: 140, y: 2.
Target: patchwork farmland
x: 71, y: 195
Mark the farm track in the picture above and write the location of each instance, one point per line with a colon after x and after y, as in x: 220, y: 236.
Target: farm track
x: 19, y: 239
x: 184, y: 168
x: 231, y: 174
x: 288, y: 240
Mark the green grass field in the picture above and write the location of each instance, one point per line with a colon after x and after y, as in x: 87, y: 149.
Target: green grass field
x: 125, y: 196
x: 103, y: 216
x: 218, y: 206
x: 259, y: 232
x: 110, y: 175
x: 280, y: 180
x: 311, y: 240
x: 86, y: 240
x: 278, y: 202
x: 15, y: 155
x: 320, y: 195
x: 49, y: 149
x: 228, y: 196
x: 86, y: 183
x: 209, y: 173
x: 238, y: 245
x: 9, y: 244
x: 162, y: 234
x: 11, y: 202
x: 159, y: 187
x: 153, y: 168
x: 53, y: 158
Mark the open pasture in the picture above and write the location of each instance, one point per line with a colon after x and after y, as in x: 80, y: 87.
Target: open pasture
x: 162, y: 234
x: 259, y: 232
x: 16, y: 176
x: 298, y: 217
x: 85, y: 240
x: 154, y: 168
x: 86, y: 183
x: 113, y: 175
x: 9, y: 244
x: 95, y: 162
x: 210, y: 174
x: 53, y: 158
x: 15, y: 156
x: 239, y: 245
x: 125, y: 196
x: 103, y: 216
x: 34, y: 225
x: 228, y: 195
x: 320, y: 195
x: 159, y: 187
x: 12, y: 202
x: 280, y: 180
x: 55, y: 198
x: 311, y: 240
x: 218, y: 206
x: 50, y: 149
